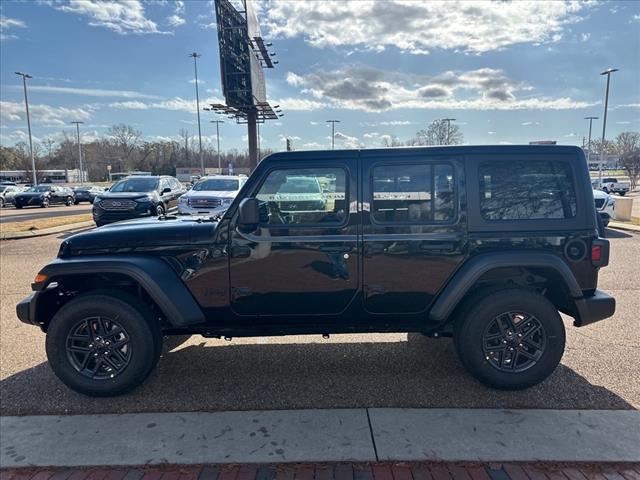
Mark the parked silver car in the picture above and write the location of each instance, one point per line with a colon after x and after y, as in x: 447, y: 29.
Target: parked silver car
x: 211, y: 195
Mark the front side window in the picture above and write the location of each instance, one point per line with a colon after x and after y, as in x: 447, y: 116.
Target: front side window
x: 413, y: 193
x: 304, y: 196
x: 526, y: 190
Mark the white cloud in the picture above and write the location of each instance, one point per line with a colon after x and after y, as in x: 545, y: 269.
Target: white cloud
x: 43, y: 115
x: 7, y: 23
x: 629, y: 105
x: 177, y: 18
x: 585, y: 36
x: 528, y: 124
x: 121, y: 16
x: 16, y: 136
x: 175, y: 104
x: 390, y: 123
x: 370, y: 89
x: 347, y: 141
x: 200, y: 82
x: 298, y: 104
x: 89, y: 92
x: 417, y: 27
x: 312, y: 146
x: 491, y: 133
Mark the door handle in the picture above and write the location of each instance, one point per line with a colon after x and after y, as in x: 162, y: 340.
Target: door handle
x: 336, y: 248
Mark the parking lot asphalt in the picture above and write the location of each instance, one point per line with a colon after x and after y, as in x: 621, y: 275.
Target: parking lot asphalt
x: 12, y: 214
x: 599, y: 369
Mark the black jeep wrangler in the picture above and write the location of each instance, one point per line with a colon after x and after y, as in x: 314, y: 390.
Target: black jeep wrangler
x: 482, y: 244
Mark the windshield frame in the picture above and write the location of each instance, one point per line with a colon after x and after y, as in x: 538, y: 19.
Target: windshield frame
x: 210, y: 180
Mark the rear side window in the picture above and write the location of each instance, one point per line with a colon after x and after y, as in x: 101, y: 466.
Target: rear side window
x: 413, y: 193
x: 526, y: 190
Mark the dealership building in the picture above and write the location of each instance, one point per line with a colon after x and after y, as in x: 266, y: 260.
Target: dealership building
x: 44, y: 176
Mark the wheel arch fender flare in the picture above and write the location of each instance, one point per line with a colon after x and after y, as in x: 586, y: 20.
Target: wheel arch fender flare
x: 473, y: 269
x: 153, y: 274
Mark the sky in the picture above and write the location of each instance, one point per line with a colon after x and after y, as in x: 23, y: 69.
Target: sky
x: 508, y: 72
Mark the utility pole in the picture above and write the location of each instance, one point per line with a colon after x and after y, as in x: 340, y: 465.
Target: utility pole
x: 591, y: 119
x: 218, y: 122
x: 333, y: 132
x: 608, y: 73
x: 77, y: 124
x: 26, y: 103
x: 195, y: 56
x: 448, y: 120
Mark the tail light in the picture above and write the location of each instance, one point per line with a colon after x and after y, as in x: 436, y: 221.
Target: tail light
x: 600, y: 252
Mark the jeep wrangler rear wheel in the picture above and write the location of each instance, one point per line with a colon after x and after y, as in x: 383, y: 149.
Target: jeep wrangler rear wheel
x: 510, y: 339
x: 101, y: 345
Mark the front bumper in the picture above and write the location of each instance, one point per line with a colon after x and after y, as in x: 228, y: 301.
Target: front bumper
x: 26, y: 309
x: 593, y: 309
x: 102, y: 217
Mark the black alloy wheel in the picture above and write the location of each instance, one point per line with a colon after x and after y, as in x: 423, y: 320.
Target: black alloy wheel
x: 514, y: 342
x: 69, y: 201
x: 99, y: 348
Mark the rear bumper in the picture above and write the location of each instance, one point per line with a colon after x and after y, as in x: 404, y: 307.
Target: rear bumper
x: 593, y: 309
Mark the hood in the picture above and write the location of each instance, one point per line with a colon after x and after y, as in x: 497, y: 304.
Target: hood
x: 32, y: 194
x: 128, y: 195
x: 211, y: 193
x: 144, y: 235
x: 600, y: 194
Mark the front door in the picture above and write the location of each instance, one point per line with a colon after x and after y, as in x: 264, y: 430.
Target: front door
x: 413, y: 231
x: 302, y: 259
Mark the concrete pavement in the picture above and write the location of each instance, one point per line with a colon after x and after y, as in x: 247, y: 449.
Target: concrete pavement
x: 359, y: 435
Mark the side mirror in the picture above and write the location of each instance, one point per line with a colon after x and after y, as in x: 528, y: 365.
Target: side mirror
x: 249, y: 212
x: 106, y: 189
x: 166, y: 190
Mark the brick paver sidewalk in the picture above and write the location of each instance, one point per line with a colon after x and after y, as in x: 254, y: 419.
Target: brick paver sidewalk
x: 342, y: 471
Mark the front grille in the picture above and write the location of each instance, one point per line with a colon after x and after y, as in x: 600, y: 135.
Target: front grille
x: 599, y: 202
x: 117, y: 205
x: 205, y: 202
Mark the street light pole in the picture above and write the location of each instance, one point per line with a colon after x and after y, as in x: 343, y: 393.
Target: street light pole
x: 333, y: 132
x: 218, y: 122
x: 448, y: 120
x: 608, y: 73
x: 26, y: 103
x: 591, y: 119
x: 77, y: 124
x: 195, y: 56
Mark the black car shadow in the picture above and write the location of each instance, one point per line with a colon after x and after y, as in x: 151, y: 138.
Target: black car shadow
x: 419, y: 372
x: 611, y: 233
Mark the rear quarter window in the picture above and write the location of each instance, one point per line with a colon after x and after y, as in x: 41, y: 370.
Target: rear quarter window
x: 526, y: 190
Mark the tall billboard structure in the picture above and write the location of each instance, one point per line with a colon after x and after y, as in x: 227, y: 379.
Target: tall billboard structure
x: 243, y: 56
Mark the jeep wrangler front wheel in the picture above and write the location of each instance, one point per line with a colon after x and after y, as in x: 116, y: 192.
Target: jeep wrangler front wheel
x: 100, y: 345
x: 510, y: 339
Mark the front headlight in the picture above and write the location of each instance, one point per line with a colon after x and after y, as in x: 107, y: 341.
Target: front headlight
x: 183, y: 200
x: 227, y: 201
x: 144, y: 200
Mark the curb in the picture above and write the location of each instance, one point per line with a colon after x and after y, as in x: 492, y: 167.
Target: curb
x: 624, y: 226
x: 321, y: 436
x: 46, y: 231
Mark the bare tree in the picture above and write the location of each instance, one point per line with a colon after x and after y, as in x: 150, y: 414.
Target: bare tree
x: 184, y: 135
x: 49, y: 145
x: 126, y: 139
x: 628, y: 150
x: 439, y: 132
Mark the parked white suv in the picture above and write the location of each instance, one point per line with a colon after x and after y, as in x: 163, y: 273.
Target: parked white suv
x: 605, y: 205
x: 211, y: 195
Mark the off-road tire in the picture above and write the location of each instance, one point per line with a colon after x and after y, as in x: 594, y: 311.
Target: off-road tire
x: 137, y: 320
x: 475, y: 317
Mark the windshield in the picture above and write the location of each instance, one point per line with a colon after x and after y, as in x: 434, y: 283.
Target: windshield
x: 300, y: 185
x: 39, y: 189
x: 136, y: 185
x: 2, y: 188
x: 216, y: 185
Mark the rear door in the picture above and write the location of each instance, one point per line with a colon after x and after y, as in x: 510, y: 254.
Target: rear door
x: 302, y: 259
x: 414, y: 230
